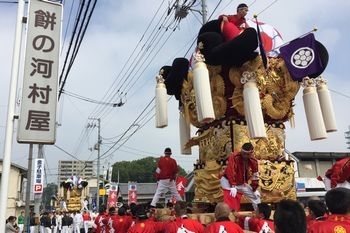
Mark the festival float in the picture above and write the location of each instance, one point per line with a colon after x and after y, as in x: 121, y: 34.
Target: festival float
x: 73, y: 193
x: 243, y: 89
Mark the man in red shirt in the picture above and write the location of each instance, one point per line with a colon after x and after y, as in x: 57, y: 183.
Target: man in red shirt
x: 108, y: 220
x: 338, y: 203
x: 338, y: 175
x: 166, y: 173
x: 98, y: 226
x: 121, y: 222
x: 233, y: 25
x: 143, y: 224
x: 86, y: 220
x: 182, y: 222
x: 223, y: 224
x: 317, y: 212
x: 260, y: 223
x: 243, y: 175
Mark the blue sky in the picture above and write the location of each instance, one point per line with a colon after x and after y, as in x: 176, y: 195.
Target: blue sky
x: 115, y: 30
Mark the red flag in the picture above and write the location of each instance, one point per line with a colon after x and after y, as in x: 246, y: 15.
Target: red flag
x: 181, y: 183
x: 113, y: 195
x: 132, y: 193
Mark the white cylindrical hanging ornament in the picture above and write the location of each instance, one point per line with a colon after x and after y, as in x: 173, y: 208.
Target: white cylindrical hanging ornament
x: 317, y: 129
x: 185, y: 134
x: 201, y: 86
x: 61, y: 191
x: 324, y: 98
x: 161, y: 102
x: 68, y: 194
x: 252, y: 106
x: 83, y: 191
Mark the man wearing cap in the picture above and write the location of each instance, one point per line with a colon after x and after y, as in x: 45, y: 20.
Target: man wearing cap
x: 233, y: 25
x: 166, y: 175
x: 242, y: 174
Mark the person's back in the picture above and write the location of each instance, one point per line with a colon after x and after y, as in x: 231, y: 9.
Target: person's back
x: 223, y: 222
x: 317, y: 212
x: 259, y: 223
x: 122, y: 222
x: 338, y: 203
x: 289, y: 217
x: 143, y: 224
x: 182, y: 222
x: 98, y: 226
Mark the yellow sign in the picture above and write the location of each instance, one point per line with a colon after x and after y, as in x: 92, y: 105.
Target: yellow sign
x: 102, y: 192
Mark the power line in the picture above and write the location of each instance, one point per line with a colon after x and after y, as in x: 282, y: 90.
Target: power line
x: 78, y: 40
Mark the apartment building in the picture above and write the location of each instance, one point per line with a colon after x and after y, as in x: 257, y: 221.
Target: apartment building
x: 67, y: 168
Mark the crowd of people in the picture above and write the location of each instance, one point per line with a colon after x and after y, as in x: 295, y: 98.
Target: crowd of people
x: 53, y: 222
x: 290, y: 216
x: 240, y: 177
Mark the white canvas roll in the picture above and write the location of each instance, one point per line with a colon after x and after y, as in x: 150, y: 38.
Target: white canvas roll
x: 201, y: 85
x: 324, y: 98
x: 252, y: 111
x: 61, y: 191
x: 317, y: 129
x: 185, y: 134
x: 68, y: 194
x: 161, y: 106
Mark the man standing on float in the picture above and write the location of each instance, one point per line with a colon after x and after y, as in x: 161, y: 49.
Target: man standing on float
x: 242, y: 174
x: 166, y: 174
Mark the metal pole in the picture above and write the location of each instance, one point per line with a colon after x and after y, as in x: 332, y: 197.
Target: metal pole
x: 98, y: 164
x: 204, y: 11
x: 38, y: 196
x: 28, y: 188
x: 6, y: 163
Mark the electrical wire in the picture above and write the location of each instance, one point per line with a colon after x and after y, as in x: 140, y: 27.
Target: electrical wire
x: 78, y: 40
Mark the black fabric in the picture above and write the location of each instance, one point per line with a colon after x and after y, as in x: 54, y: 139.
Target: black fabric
x: 178, y: 73
x: 233, y: 53
x: 324, y: 57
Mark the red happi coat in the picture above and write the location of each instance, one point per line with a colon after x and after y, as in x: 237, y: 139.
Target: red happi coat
x: 146, y: 226
x: 186, y: 224
x: 167, y: 168
x: 239, y: 172
x: 98, y: 223
x: 255, y: 224
x: 226, y: 226
x: 339, y: 172
x: 333, y: 224
x: 121, y: 224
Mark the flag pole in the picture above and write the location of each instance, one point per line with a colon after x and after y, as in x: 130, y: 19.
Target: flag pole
x: 303, y: 35
x: 261, y: 46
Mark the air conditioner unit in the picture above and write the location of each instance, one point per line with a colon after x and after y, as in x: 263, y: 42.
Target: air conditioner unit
x: 20, y: 203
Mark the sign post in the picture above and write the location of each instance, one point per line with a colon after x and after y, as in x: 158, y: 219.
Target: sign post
x: 37, y: 121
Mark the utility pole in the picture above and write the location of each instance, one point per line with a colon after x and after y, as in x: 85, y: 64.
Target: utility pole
x: 6, y: 162
x: 204, y: 12
x: 98, y: 162
x: 182, y: 10
x: 97, y: 147
x: 28, y: 188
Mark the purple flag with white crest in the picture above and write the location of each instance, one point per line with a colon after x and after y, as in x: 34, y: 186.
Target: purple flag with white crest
x: 302, y: 57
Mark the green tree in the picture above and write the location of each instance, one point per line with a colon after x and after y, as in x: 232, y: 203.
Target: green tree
x: 141, y: 170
